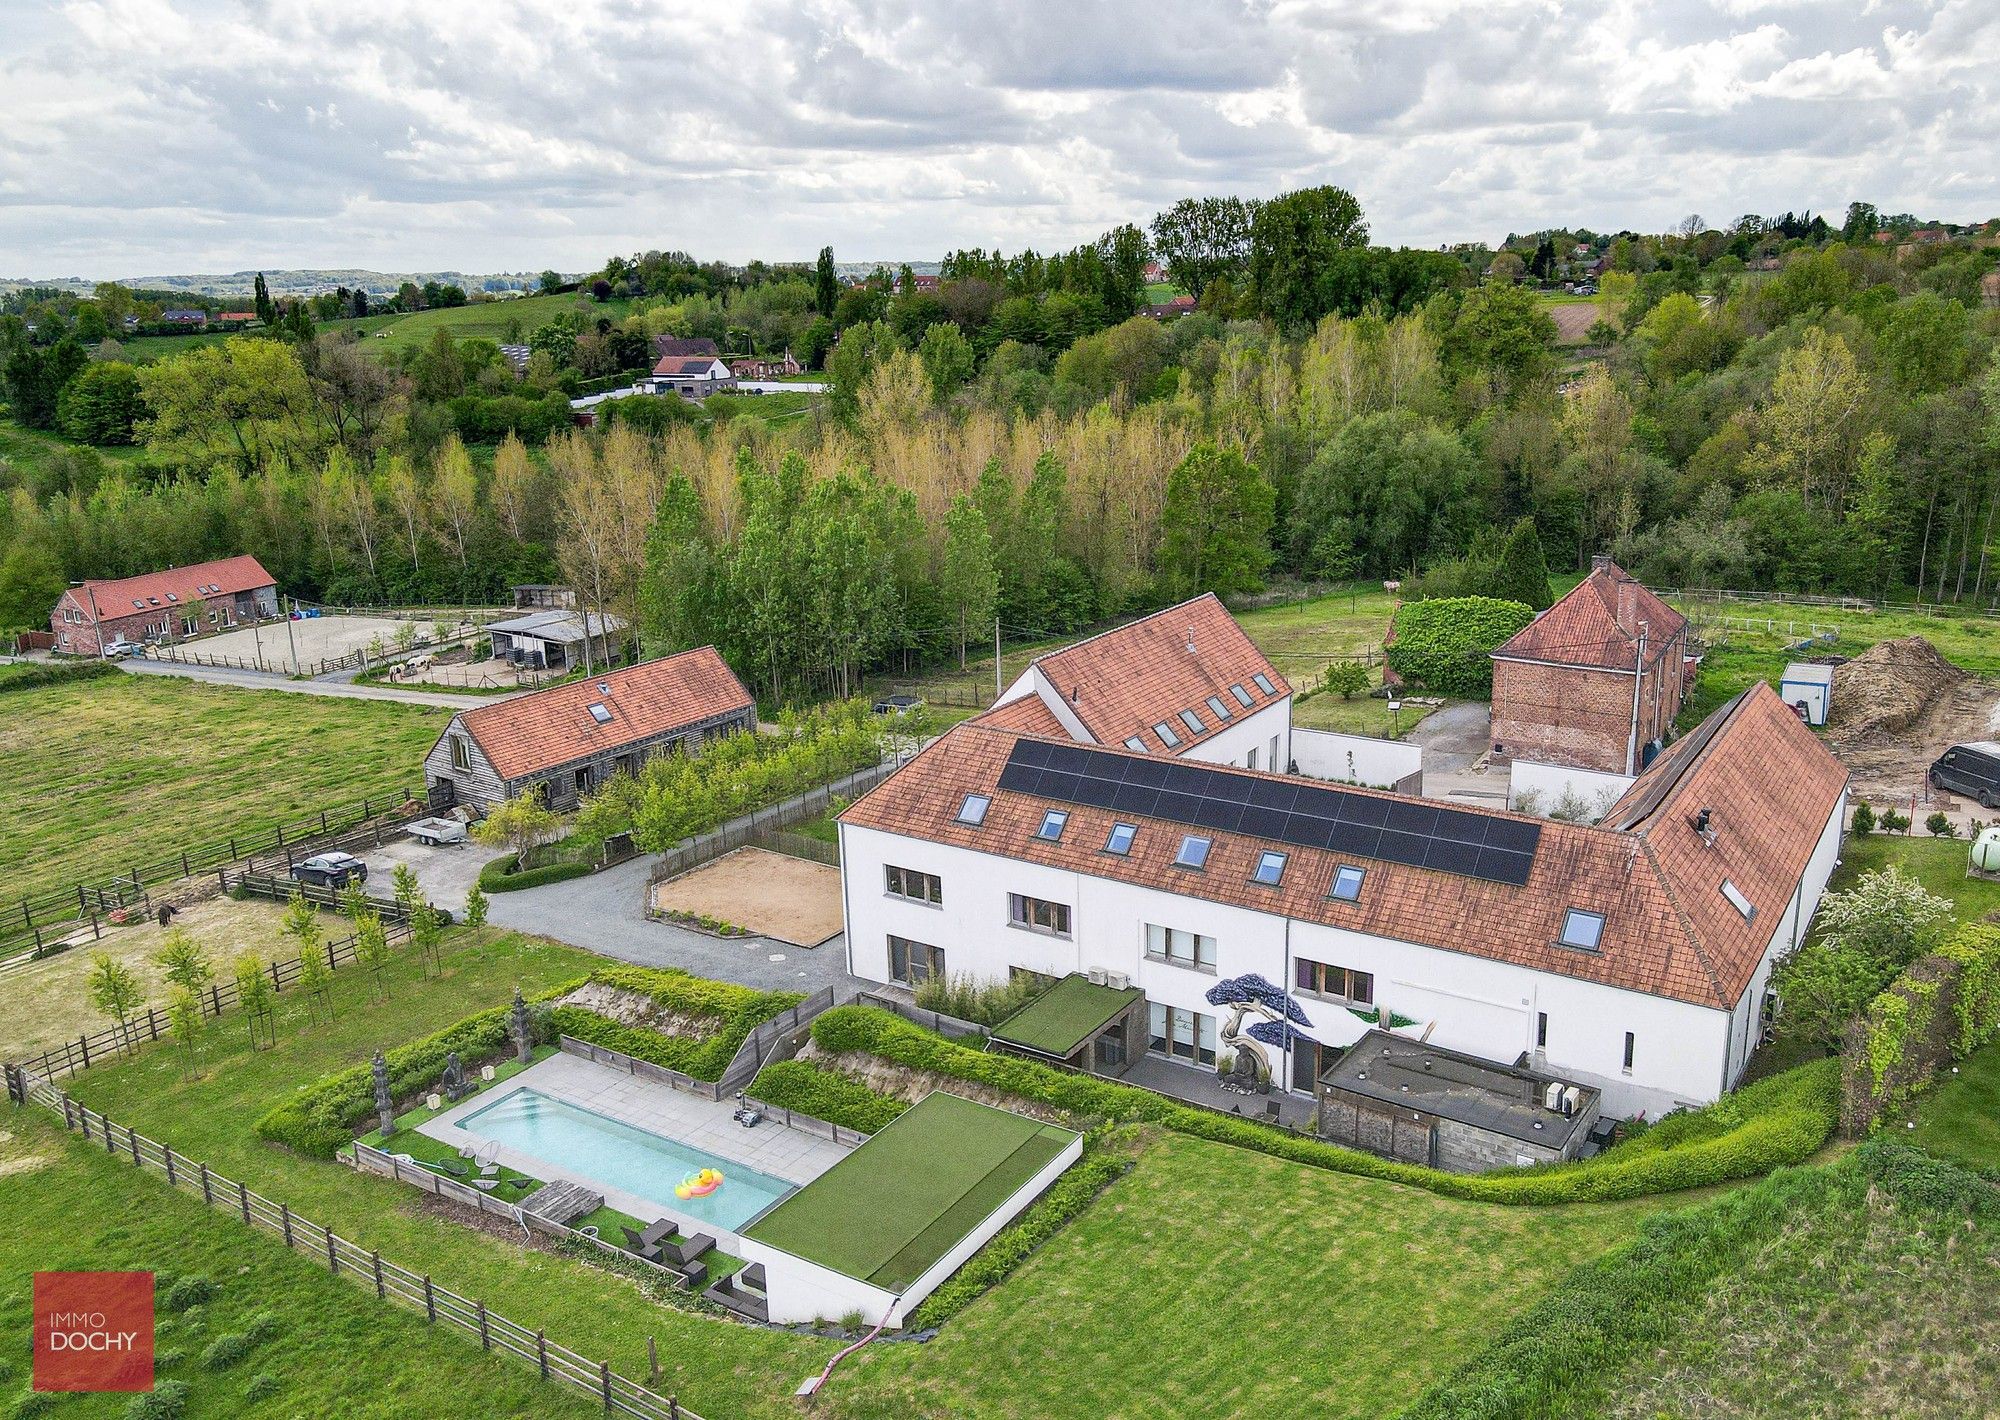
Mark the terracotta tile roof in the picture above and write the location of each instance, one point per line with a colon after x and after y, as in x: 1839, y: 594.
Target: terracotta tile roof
x: 553, y: 727
x: 685, y: 365
x: 176, y: 586
x: 1027, y: 715
x: 1123, y: 682
x: 1655, y: 938
x: 1583, y: 627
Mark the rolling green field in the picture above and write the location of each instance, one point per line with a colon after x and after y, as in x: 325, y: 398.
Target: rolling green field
x: 109, y: 772
x: 332, y: 1348
x: 488, y: 320
x: 25, y: 454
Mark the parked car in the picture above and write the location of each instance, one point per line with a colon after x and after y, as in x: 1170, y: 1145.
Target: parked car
x: 1970, y: 769
x: 118, y: 647
x: 334, y: 870
x: 898, y: 704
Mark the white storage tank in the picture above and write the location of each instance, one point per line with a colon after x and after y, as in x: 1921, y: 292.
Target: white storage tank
x: 1986, y: 850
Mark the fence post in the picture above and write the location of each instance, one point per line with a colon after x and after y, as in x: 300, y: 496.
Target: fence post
x: 332, y: 1256
x: 484, y: 1344
x: 604, y: 1381
x: 207, y: 1194
x: 381, y: 1292
x: 285, y: 1218
x: 243, y: 1201
x: 84, y: 1041
x: 430, y: 1300
x: 542, y: 1353
x: 168, y: 1151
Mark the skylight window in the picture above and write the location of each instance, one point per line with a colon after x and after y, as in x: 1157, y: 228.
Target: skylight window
x: 601, y: 714
x: 1136, y: 743
x: 1193, y: 852
x: 1221, y: 710
x: 1738, y: 901
x: 139, y: 603
x: 1052, y: 825
x: 1346, y: 884
x: 1242, y: 696
x: 1270, y: 869
x: 172, y: 598
x: 1193, y: 722
x: 1120, y: 841
x: 1263, y: 683
x: 973, y: 810
x: 1582, y: 930
x: 1166, y: 734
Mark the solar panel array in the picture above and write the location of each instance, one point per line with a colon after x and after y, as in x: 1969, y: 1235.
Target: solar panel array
x: 1285, y: 810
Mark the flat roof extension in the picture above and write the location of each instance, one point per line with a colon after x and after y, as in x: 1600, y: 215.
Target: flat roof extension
x: 1066, y: 1015
x: 1415, y: 1075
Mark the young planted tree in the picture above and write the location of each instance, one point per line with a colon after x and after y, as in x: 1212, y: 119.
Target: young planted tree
x: 114, y: 991
x: 258, y: 997
x: 522, y: 824
x: 188, y: 1025
x: 1346, y: 679
x: 371, y: 949
x: 403, y: 883
x: 427, y: 932
x: 184, y: 961
x: 475, y: 906
x: 316, y: 983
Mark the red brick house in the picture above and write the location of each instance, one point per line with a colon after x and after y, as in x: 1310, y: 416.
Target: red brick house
x: 1595, y: 681
x: 163, y: 605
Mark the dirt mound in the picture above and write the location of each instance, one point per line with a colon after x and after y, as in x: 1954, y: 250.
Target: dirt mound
x: 1887, y: 688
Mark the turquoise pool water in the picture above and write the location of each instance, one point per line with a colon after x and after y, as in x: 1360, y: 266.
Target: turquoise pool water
x: 582, y: 1141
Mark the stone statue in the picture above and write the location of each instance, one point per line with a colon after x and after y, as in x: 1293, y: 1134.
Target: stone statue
x: 453, y: 1082
x: 385, y: 1107
x: 523, y: 1032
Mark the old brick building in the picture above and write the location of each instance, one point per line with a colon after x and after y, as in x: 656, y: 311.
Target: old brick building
x: 1595, y: 681
x: 163, y: 606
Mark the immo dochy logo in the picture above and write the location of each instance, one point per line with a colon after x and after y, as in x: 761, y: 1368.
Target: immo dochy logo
x: 93, y: 1331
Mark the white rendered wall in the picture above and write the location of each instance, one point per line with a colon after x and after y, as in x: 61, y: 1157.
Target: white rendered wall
x: 1250, y: 729
x: 1474, y: 1004
x: 1549, y: 782
x: 1365, y: 759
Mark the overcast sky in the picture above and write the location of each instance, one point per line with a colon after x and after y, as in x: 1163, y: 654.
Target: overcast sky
x: 145, y: 137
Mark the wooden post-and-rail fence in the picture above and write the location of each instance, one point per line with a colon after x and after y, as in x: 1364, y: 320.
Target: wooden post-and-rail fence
x: 391, y: 1283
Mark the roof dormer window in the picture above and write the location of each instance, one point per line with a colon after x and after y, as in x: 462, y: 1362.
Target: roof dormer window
x: 1136, y: 743
x: 601, y: 714
x: 1242, y: 696
x: 1737, y: 900
x: 1052, y: 826
x: 1221, y: 710
x: 1193, y: 722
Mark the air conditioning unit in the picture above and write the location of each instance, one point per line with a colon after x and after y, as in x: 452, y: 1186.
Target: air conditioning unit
x: 1095, y: 976
x: 1572, y: 1100
x: 1117, y: 980
x: 1552, y: 1097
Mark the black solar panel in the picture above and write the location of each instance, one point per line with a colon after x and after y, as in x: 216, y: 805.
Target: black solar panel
x: 1306, y: 815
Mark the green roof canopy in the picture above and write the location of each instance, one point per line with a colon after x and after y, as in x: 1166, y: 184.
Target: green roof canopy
x: 893, y: 1207
x: 1057, y: 1022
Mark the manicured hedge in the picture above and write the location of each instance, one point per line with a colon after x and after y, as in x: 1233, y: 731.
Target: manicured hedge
x: 320, y: 1119
x: 499, y: 875
x: 35, y: 674
x: 824, y: 1094
x: 1779, y: 1121
x: 737, y: 1010
x: 1558, y: 1357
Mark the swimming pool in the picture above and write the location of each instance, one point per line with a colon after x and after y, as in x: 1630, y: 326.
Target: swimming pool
x: 582, y: 1141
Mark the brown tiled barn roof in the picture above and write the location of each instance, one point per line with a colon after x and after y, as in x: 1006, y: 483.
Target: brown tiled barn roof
x: 1583, y: 627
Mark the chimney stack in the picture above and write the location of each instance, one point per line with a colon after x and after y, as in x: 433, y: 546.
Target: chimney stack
x: 1600, y: 562
x: 1190, y: 642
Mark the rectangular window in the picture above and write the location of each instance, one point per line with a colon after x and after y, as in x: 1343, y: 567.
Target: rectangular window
x: 918, y: 887
x: 1037, y: 915
x: 1182, y: 1035
x: 1193, y: 852
x: 914, y: 963
x: 1120, y: 841
x: 1189, y: 949
x: 1193, y: 722
x: 582, y: 780
x: 1582, y: 930
x: 1346, y: 884
x: 601, y: 714
x: 1263, y: 683
x: 1166, y: 734
x: 1270, y: 869
x: 461, y: 753
x: 1274, y: 754
x: 1541, y: 1030
x: 1250, y: 760
x: 1628, y: 1052
x: 1136, y: 743
x: 1242, y: 696
x: 1340, y: 982
x: 1052, y: 825
x: 973, y: 810
x: 1221, y: 710
x: 1738, y: 901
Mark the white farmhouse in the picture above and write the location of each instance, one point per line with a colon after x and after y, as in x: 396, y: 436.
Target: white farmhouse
x: 1271, y: 920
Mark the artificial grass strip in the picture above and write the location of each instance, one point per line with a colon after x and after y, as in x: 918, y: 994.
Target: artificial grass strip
x: 1063, y: 1017
x: 883, y: 1211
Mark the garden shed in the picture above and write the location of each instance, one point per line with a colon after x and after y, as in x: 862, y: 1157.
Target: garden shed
x: 1808, y: 688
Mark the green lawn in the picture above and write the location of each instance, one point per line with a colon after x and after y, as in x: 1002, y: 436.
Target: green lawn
x: 106, y: 773
x: 1938, y: 863
x: 1215, y: 1282
x: 489, y: 320
x: 28, y: 453
x: 1960, y: 1120
x: 719, y: 1368
x: 334, y: 1349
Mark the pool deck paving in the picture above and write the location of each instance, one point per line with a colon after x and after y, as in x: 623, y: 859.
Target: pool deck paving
x: 701, y: 1124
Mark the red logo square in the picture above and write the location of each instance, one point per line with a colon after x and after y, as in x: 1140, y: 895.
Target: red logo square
x: 93, y: 1331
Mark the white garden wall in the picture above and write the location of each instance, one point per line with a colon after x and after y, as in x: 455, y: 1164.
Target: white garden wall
x: 1548, y: 784
x: 1359, y: 759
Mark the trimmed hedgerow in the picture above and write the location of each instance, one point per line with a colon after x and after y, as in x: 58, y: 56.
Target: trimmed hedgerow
x: 1780, y: 1121
x: 320, y: 1119
x: 499, y: 875
x: 737, y: 1010
x: 1067, y: 1197
x: 824, y: 1094
x: 1558, y: 1356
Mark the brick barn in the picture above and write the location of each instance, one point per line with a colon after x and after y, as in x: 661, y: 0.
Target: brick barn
x: 1595, y: 681
x: 181, y: 601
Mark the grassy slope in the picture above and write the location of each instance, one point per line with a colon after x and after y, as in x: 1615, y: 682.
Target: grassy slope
x: 111, y: 771
x: 486, y: 321
x: 1961, y: 1121
x: 719, y: 1368
x: 337, y: 1350
x: 1215, y: 1282
x: 25, y: 453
